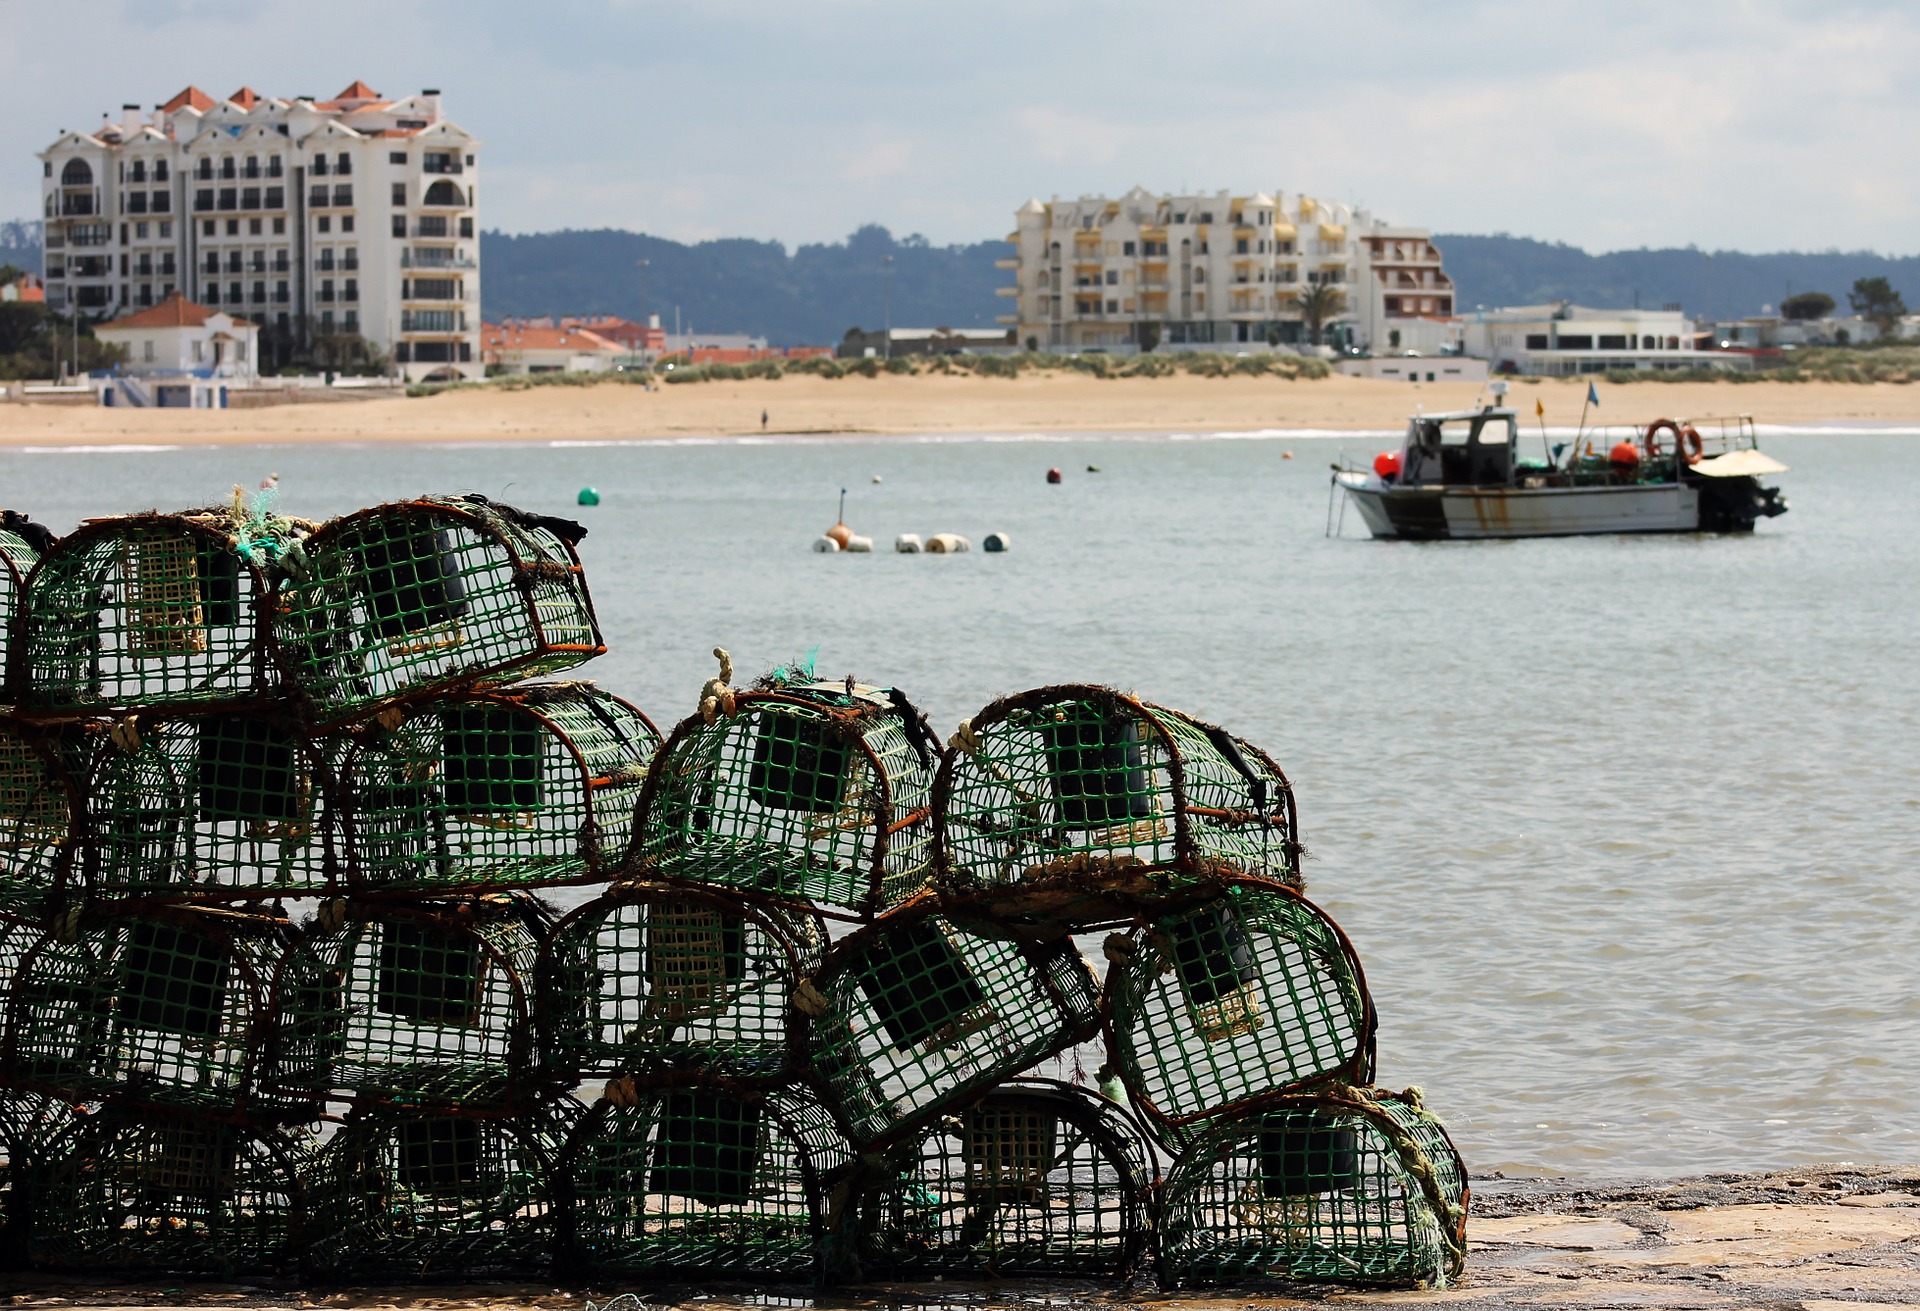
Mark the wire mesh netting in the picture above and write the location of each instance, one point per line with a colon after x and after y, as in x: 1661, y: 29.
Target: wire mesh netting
x: 406, y: 1193
x: 431, y: 594
x: 1080, y: 786
x: 1037, y: 1178
x: 39, y: 806
x: 535, y: 785
x: 699, y: 1176
x: 150, y: 610
x: 168, y: 1191
x: 216, y: 806
x: 1242, y: 997
x: 18, y: 555
x: 815, y: 791
x: 29, y: 1124
x: 650, y: 976
x: 1348, y: 1187
x: 917, y: 1013
x: 427, y: 1003
x: 156, y: 1006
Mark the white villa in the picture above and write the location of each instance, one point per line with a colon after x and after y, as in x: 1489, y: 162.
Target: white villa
x: 355, y: 215
x: 178, y: 336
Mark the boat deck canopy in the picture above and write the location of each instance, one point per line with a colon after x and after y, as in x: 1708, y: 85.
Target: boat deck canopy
x: 1739, y: 464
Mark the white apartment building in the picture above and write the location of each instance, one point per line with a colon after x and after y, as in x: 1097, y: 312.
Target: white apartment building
x: 1562, y: 339
x: 313, y: 218
x: 1220, y: 270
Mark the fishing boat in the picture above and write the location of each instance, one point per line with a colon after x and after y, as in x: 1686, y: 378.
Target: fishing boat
x: 1463, y: 475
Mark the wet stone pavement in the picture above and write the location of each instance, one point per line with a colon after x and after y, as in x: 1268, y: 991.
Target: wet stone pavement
x: 1816, y: 1239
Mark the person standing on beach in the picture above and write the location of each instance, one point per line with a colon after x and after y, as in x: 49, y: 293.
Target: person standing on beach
x: 763, y: 421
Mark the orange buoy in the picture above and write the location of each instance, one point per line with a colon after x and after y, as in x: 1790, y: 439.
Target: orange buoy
x: 1387, y: 464
x: 840, y: 533
x: 1624, y: 455
x: 1053, y: 475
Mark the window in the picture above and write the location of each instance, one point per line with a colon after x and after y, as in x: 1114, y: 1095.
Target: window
x: 324, y: 224
x: 251, y: 169
x: 351, y: 323
x: 399, y: 225
x: 139, y: 173
x: 259, y: 261
x: 319, y: 168
x: 77, y: 173
x: 1240, y: 246
x: 162, y: 202
x: 274, y: 169
x: 227, y: 169
x: 213, y: 261
x: 396, y: 157
x: 276, y: 198
x: 326, y: 289
x: 259, y: 293
x: 146, y: 350
x: 280, y: 227
x: 208, y: 228
x: 204, y: 169
x: 250, y: 199
x: 1113, y: 277
x: 1578, y: 342
x: 233, y: 261
x: 203, y: 198
x: 280, y: 292
x: 317, y: 196
x: 469, y: 161
x: 350, y: 289
x: 1536, y: 341
x: 212, y: 297
x: 1614, y: 343
x: 400, y: 193
x: 1113, y: 307
x: 233, y: 293
x: 346, y: 222
x: 466, y: 226
x: 433, y: 226
x: 233, y: 227
x: 140, y: 232
x: 343, y: 165
x: 159, y: 170
x: 166, y: 231
x: 136, y: 202
x: 350, y: 258
x: 343, y: 194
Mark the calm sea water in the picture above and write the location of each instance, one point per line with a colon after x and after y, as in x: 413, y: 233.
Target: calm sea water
x: 1626, y: 830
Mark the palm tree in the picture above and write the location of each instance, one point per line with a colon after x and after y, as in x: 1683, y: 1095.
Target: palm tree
x: 1318, y: 303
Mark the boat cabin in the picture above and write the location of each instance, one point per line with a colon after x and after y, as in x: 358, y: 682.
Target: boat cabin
x: 1456, y: 450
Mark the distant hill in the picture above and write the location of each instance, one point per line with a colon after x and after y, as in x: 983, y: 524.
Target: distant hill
x: 1503, y: 270
x: 20, y: 244
x: 811, y: 296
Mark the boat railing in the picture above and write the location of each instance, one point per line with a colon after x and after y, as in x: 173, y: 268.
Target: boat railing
x: 1718, y: 435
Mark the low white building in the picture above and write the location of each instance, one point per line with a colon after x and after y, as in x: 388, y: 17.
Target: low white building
x: 1555, y: 340
x: 511, y: 347
x: 179, y: 337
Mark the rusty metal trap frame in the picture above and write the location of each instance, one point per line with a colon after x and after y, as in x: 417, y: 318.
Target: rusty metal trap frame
x: 917, y: 1013
x: 1348, y: 1185
x: 154, y: 1190
x: 1082, y: 787
x: 144, y: 1006
x: 219, y: 806
x: 807, y: 791
x: 650, y: 976
x: 691, y: 1174
x: 430, y: 595
x: 1037, y: 1178
x: 528, y: 786
x: 402, y: 1192
x: 415, y: 1003
x: 21, y: 541
x: 151, y: 610
x: 29, y: 1124
x: 39, y: 814
x: 1217, y: 1006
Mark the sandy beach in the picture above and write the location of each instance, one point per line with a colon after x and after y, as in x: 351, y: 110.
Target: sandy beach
x: 1060, y: 402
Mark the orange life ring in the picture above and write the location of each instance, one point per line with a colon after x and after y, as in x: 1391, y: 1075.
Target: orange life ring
x: 1653, y: 431
x: 1691, y: 448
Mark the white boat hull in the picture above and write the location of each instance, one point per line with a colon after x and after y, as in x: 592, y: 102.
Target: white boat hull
x: 1470, y: 512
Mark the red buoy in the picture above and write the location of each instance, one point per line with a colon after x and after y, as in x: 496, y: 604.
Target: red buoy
x: 1387, y: 464
x: 1053, y: 475
x: 1624, y: 455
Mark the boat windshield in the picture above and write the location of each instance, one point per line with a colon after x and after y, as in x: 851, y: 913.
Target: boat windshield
x: 1483, y: 428
x: 1473, y: 449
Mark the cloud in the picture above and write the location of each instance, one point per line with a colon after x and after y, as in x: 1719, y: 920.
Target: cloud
x: 1756, y: 124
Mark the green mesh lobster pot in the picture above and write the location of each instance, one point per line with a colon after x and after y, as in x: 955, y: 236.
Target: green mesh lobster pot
x: 432, y: 595
x: 151, y: 610
x: 916, y: 1014
x: 169, y: 1191
x: 224, y: 805
x: 813, y: 792
x: 534, y: 785
x: 1037, y: 1178
x: 1347, y: 1186
x: 405, y: 1193
x: 687, y: 1175
x: 1218, y: 1006
x: 29, y: 1124
x: 1081, y: 803
x: 21, y: 541
x: 418, y: 1003
x: 651, y: 976
x: 39, y: 814
x: 150, y: 1006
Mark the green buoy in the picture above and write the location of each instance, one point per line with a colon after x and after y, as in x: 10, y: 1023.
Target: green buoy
x: 588, y: 496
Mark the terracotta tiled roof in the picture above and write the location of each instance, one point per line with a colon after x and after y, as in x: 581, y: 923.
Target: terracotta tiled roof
x: 517, y: 337
x: 192, y: 98
x: 246, y: 97
x: 176, y: 311
x: 358, y: 91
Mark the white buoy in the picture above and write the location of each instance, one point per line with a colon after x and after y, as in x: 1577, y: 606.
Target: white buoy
x: 859, y: 545
x: 947, y: 544
x: 907, y: 543
x: 825, y: 545
x: 995, y: 542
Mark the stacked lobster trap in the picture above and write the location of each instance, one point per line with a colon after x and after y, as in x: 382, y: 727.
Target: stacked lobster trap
x: 292, y: 978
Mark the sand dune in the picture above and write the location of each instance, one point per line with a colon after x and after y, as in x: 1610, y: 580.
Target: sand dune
x: 936, y: 403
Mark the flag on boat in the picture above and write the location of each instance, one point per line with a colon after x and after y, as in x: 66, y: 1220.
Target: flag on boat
x: 1540, y: 407
x: 1593, y: 395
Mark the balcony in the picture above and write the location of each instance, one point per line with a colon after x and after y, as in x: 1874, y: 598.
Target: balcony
x: 431, y: 226
x: 229, y: 198
x: 75, y: 206
x: 433, y: 321
x: 436, y: 257
x: 435, y: 163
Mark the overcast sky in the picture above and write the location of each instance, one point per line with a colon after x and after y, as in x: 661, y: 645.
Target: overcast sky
x: 1730, y: 124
